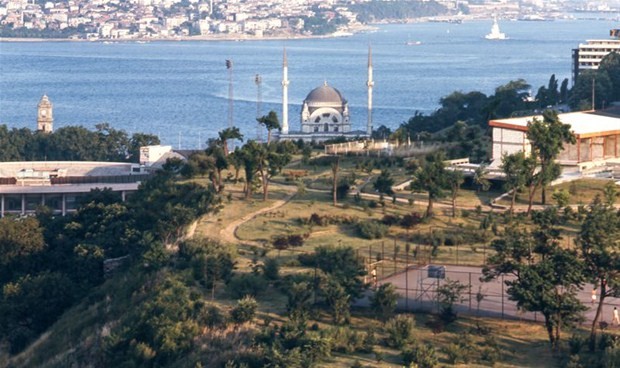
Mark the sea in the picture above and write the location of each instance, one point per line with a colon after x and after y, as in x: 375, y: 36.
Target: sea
x: 179, y: 90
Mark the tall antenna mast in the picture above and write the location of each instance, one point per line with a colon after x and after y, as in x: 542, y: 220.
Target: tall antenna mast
x: 229, y: 66
x: 259, y: 101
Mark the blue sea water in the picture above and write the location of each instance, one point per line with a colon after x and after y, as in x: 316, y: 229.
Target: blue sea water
x: 179, y: 90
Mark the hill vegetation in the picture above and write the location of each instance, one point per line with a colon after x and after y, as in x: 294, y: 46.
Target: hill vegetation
x: 274, y: 255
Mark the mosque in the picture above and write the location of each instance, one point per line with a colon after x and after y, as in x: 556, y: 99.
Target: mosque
x: 324, y: 112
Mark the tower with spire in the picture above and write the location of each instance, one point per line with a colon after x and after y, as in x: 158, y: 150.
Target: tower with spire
x: 370, y: 83
x: 285, y: 83
x: 45, y: 119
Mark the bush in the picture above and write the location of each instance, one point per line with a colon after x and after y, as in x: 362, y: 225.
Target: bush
x: 212, y: 316
x: 271, y: 269
x: 423, y: 356
x: 372, y: 230
x: 575, y: 343
x: 611, y: 359
x: 399, y: 331
x: 346, y: 340
x: 390, y: 220
x: 246, y: 284
x: 244, y: 311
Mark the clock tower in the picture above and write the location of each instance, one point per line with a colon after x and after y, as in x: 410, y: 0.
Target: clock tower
x: 45, y: 119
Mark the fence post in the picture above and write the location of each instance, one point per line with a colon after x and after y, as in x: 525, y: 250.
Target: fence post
x: 407, y: 277
x: 394, y: 256
x: 470, y: 292
x: 502, y: 296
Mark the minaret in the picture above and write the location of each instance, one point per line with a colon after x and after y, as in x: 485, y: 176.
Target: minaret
x: 284, y: 94
x: 370, y: 83
x: 45, y: 119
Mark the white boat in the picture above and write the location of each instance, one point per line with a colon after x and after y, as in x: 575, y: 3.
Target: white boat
x: 495, y: 32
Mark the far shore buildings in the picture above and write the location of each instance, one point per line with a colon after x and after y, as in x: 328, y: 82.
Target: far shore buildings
x: 597, y: 133
x: 324, y: 112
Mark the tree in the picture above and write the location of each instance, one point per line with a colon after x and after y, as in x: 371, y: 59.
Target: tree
x: 547, y: 139
x: 480, y: 179
x: 384, y: 183
x: 610, y: 65
x: 600, y: 251
x: 227, y: 135
x: 447, y: 295
x: 244, y: 311
x: 270, y: 121
x: 19, y: 240
x: 383, y: 302
x: 454, y: 179
x: 338, y: 299
x: 545, y: 276
x: 266, y: 160
x: 431, y: 177
x: 519, y: 172
x: 343, y: 265
x: 298, y: 304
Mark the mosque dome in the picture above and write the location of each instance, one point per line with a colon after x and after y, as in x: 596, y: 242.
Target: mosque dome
x: 325, y: 96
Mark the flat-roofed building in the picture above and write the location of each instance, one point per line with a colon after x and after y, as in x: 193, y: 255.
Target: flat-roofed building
x: 598, y: 138
x: 58, y: 185
x: 588, y: 55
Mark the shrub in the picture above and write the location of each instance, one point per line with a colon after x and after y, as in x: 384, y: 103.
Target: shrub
x: 246, y: 284
x: 390, y: 220
x: 271, y: 269
x: 423, y: 356
x: 399, y: 331
x: 372, y: 229
x: 212, y: 316
x: 575, y: 343
x: 244, y: 311
x: 383, y: 302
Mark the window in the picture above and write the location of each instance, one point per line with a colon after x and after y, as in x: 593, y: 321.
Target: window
x: 326, y: 128
x: 318, y: 119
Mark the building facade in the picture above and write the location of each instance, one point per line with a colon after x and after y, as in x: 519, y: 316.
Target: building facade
x: 598, y: 138
x: 588, y: 55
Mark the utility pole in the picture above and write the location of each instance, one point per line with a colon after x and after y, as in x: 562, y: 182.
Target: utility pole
x: 229, y: 67
x: 258, y: 80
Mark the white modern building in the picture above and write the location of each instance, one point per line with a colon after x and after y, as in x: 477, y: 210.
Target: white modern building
x: 588, y: 55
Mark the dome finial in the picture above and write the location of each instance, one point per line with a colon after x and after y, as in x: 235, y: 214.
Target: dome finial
x: 325, y: 82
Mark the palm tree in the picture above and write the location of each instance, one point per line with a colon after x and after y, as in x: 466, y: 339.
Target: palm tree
x: 270, y: 121
x: 228, y: 134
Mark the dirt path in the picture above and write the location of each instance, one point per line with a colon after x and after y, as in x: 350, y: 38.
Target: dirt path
x: 229, y: 233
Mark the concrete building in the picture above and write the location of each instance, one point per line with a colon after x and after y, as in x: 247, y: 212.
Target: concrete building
x: 58, y: 185
x: 588, y: 55
x: 598, y: 139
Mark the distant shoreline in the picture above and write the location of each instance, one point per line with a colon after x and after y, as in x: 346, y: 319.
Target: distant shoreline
x: 205, y: 38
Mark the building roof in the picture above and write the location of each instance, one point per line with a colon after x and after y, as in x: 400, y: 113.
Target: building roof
x: 583, y: 124
x: 325, y: 95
